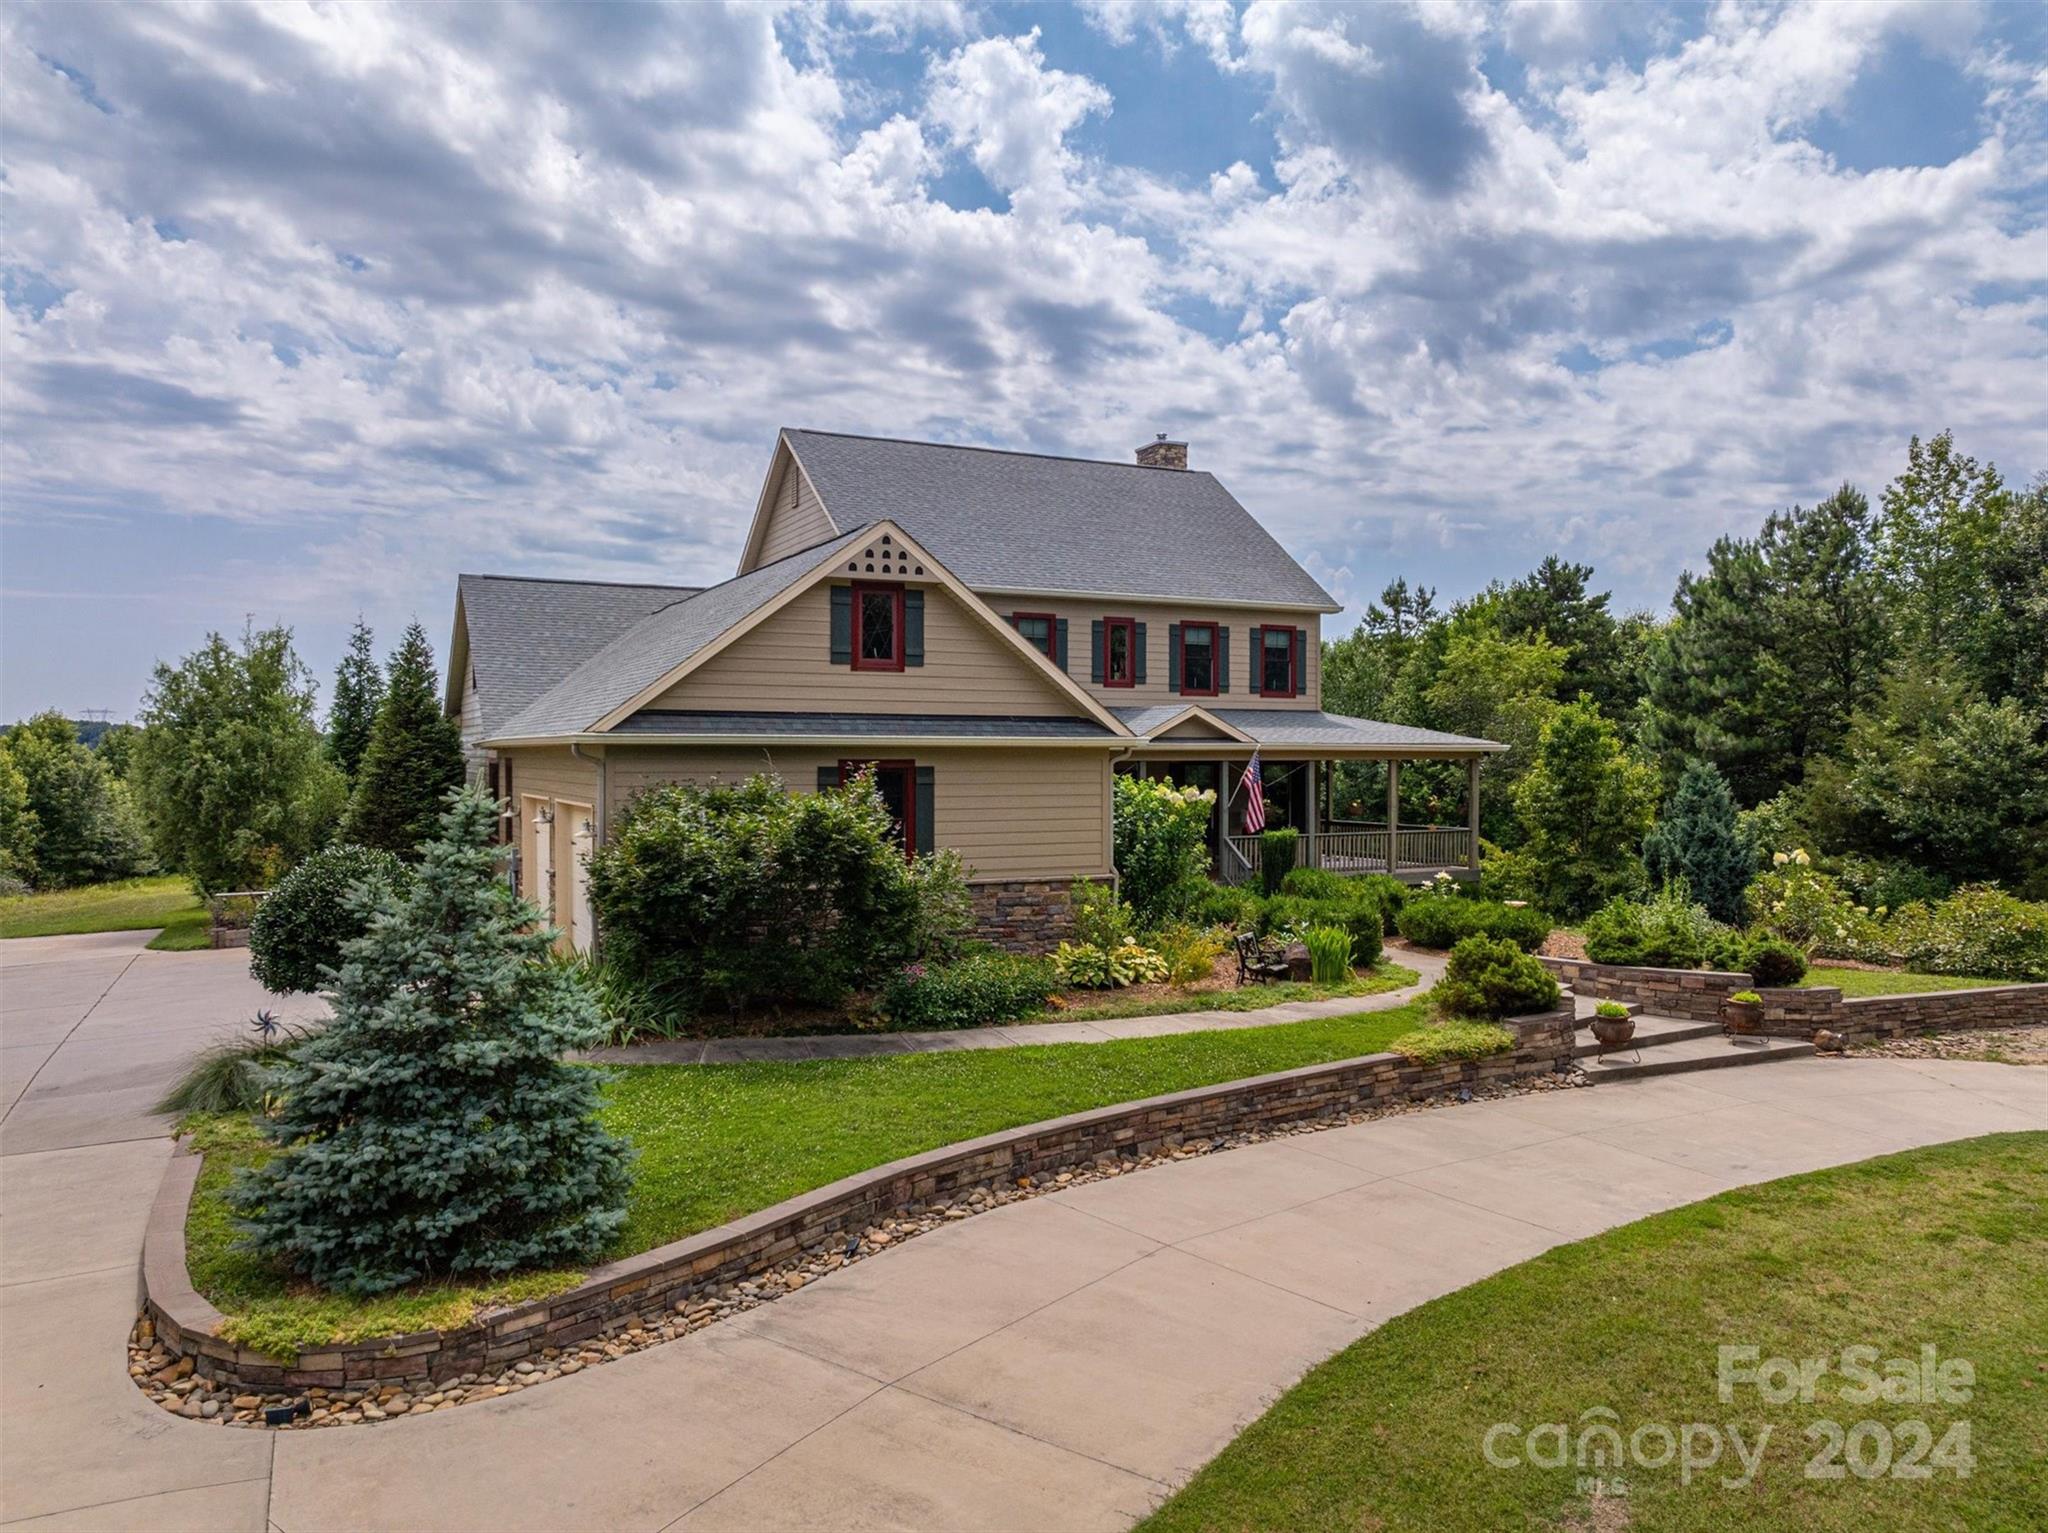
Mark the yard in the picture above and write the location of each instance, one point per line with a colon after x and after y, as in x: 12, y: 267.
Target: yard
x: 1941, y: 1247
x: 131, y: 904
x: 718, y: 1141
x: 1860, y: 982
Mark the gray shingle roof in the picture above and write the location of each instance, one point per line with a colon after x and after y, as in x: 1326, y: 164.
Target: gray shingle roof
x: 670, y: 721
x: 657, y: 644
x: 1019, y: 521
x: 525, y: 634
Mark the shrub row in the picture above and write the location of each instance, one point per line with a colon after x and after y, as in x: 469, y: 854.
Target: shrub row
x: 975, y: 991
x: 1442, y: 921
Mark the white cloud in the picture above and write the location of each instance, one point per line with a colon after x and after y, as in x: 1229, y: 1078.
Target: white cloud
x: 997, y: 100
x: 355, y: 298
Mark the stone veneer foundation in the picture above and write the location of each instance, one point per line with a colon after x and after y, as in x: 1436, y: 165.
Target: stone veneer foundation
x: 653, y: 1283
x: 1024, y: 915
x: 1800, y: 1011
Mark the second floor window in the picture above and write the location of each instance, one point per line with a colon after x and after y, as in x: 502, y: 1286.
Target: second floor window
x: 1278, y: 663
x: 1198, y: 659
x: 1119, y: 652
x: 1038, y: 628
x: 877, y: 628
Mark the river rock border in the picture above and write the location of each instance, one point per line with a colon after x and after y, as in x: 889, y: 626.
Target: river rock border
x: 660, y: 1294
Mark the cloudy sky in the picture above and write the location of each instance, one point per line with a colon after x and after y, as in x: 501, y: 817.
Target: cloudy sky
x: 310, y: 307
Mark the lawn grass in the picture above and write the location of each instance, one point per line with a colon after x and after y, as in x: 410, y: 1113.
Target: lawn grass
x: 1381, y: 978
x: 1944, y: 1246
x: 1855, y: 982
x: 129, y: 904
x: 718, y: 1141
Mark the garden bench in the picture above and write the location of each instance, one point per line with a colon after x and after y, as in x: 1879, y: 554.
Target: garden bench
x: 1259, y: 961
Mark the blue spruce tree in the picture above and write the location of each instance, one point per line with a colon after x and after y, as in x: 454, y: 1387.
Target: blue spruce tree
x: 431, y: 1129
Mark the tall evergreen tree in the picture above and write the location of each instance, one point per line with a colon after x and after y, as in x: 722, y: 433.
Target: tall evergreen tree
x: 358, y: 691
x: 1830, y: 612
x: 1553, y: 600
x: 1586, y: 806
x: 414, y: 756
x: 1700, y: 841
x: 1937, y: 520
x: 431, y: 1128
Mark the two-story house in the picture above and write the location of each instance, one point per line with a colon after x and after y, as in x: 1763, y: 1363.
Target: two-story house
x: 994, y: 633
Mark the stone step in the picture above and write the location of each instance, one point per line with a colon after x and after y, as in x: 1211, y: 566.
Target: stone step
x: 1688, y: 1054
x: 1649, y: 1031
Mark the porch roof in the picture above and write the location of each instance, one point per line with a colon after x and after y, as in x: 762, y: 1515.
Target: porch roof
x: 1310, y: 733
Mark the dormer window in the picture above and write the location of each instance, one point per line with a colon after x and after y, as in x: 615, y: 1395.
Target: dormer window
x: 1039, y: 631
x: 877, y: 628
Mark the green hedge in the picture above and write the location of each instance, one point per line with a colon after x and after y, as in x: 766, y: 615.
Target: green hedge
x: 1442, y: 921
x: 975, y: 991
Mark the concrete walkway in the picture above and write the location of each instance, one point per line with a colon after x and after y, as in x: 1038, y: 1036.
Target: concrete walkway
x: 1059, y: 1364
x: 727, y: 1051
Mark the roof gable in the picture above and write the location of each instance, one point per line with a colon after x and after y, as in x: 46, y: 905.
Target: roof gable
x: 649, y: 659
x: 1011, y: 521
x: 518, y: 636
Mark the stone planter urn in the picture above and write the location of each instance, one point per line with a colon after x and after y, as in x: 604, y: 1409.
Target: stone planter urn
x: 1615, y: 1031
x: 1742, y: 1018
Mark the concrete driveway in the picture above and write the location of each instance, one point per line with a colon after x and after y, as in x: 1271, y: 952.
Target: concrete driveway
x: 1059, y: 1364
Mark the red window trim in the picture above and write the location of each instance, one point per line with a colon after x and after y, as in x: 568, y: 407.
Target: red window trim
x: 1109, y: 626
x: 1215, y: 661
x: 895, y: 663
x: 1052, y: 632
x: 1293, y: 661
x: 850, y: 767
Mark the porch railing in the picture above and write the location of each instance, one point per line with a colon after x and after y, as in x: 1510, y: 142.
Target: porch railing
x: 1353, y: 846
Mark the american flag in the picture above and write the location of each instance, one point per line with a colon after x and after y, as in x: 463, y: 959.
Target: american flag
x: 1253, y: 786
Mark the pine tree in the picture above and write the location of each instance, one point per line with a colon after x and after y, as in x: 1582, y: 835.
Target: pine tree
x: 431, y: 1129
x: 358, y: 690
x: 414, y: 756
x: 1699, y: 840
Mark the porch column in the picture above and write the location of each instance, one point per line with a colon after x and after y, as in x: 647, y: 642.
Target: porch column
x: 1313, y: 797
x: 1472, y: 809
x: 1393, y: 816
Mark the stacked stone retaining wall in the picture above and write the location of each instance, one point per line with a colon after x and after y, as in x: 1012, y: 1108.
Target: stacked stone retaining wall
x: 647, y: 1285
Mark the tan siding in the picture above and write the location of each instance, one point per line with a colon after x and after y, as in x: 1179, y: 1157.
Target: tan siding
x: 552, y: 775
x: 796, y: 520
x: 786, y: 664
x: 1011, y: 814
x: 1157, y: 618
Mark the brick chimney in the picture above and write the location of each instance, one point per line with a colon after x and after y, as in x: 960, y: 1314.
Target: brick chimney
x: 1160, y: 453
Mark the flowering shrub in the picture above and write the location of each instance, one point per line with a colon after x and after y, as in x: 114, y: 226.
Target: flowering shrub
x: 1161, y: 836
x: 1805, y: 907
x: 1979, y: 930
x: 975, y: 991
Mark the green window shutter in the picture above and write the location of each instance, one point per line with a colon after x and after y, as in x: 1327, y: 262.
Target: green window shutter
x: 924, y: 811
x: 1138, y: 638
x: 1257, y: 684
x: 1061, y: 648
x: 913, y: 628
x: 828, y: 776
x: 1095, y: 652
x: 1223, y: 660
x: 842, y: 625
x: 1173, y: 657
x: 1300, y: 660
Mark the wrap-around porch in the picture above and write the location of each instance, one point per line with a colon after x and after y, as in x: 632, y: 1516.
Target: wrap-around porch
x: 1337, y: 831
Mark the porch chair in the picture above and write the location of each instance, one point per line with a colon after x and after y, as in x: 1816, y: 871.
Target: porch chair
x: 1258, y: 961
